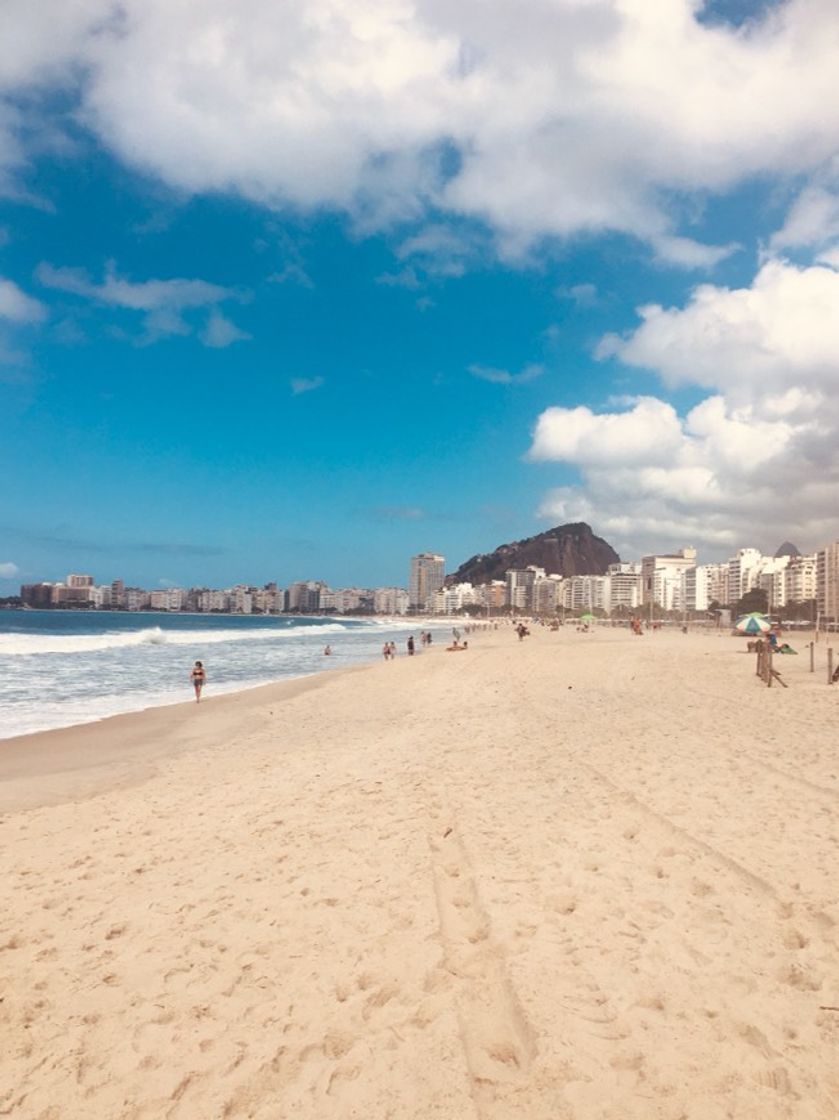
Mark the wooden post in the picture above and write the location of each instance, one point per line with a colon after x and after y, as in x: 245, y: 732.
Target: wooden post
x: 830, y: 665
x: 812, y: 657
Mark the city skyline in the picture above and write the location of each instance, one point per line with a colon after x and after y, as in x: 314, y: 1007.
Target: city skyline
x: 316, y: 291
x: 676, y: 581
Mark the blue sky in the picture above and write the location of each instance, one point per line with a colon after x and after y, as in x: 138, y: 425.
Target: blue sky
x: 296, y: 298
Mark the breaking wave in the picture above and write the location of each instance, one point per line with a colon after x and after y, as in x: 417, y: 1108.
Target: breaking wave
x: 27, y: 645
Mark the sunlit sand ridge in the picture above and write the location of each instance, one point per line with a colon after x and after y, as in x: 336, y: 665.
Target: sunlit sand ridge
x: 581, y: 876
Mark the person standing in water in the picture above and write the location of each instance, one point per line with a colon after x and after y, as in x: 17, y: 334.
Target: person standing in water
x: 198, y: 677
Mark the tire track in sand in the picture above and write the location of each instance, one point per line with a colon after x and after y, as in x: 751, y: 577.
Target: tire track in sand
x: 496, y: 1037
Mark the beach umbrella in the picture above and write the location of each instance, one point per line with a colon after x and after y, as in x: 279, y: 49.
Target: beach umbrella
x: 754, y: 623
x: 587, y: 617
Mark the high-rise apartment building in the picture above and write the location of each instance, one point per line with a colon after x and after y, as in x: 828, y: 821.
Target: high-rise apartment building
x: 661, y: 577
x: 827, y: 581
x: 546, y: 594
x: 703, y: 585
x: 427, y: 575
x: 390, y: 600
x: 74, y: 580
x: 520, y: 584
x: 800, y: 579
x: 624, y: 586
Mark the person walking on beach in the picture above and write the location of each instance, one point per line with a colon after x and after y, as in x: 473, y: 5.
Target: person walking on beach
x: 198, y: 677
x: 411, y: 646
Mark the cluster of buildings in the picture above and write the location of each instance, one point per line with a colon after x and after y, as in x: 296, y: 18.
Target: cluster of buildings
x: 671, y: 582
x: 667, y: 582
x: 80, y: 592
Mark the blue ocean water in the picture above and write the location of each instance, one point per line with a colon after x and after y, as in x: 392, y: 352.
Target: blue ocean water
x: 59, y: 668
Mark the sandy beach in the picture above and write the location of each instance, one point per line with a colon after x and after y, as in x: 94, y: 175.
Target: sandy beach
x: 585, y: 876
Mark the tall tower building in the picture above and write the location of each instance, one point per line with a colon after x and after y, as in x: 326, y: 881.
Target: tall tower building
x: 428, y: 572
x: 827, y: 581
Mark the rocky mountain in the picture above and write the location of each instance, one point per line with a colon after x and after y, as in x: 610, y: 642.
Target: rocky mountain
x: 787, y: 549
x: 567, y: 550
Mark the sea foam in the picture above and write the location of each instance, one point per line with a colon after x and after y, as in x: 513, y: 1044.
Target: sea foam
x: 25, y: 645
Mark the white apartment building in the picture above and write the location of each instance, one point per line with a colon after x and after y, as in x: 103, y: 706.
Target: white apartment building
x: 350, y: 599
x: 328, y: 601
x: 547, y: 594
x: 493, y: 594
x: 213, y: 600
x: 266, y: 599
x: 390, y: 600
x: 427, y: 575
x: 661, y: 578
x: 624, y: 586
x: 305, y: 596
x: 241, y: 600
x: 169, y: 599
x: 827, y: 581
x: 520, y: 584
x: 100, y: 597
x: 585, y: 593
x: 785, y: 578
x: 772, y: 580
x: 703, y: 585
x: 136, y: 599
x: 452, y: 600
x: 800, y: 579
x: 744, y: 569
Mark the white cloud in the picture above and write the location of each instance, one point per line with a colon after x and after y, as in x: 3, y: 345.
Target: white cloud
x: 149, y: 295
x: 404, y: 278
x: 830, y: 257
x: 504, y: 377
x: 8, y: 570
x: 686, y: 253
x: 576, y: 116
x: 649, y: 432
x: 752, y: 462
x: 305, y: 385
x: 161, y: 302
x: 782, y: 329
x: 813, y: 219
x: 583, y: 295
x: 220, y: 332
x: 294, y: 273
x: 17, y: 306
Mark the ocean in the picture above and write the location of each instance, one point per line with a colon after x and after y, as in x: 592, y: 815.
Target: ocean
x: 59, y: 668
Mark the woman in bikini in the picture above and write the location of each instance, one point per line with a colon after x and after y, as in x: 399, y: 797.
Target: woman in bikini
x: 198, y: 676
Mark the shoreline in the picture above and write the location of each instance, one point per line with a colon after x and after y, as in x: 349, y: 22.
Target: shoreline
x: 162, y: 694
x: 146, y: 736
x: 153, y: 707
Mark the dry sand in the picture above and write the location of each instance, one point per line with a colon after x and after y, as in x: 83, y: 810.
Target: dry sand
x: 583, y: 876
